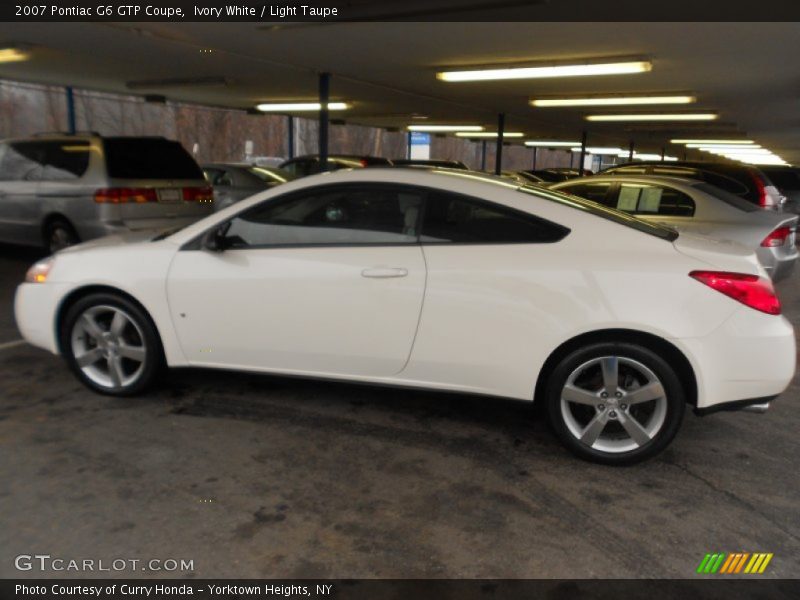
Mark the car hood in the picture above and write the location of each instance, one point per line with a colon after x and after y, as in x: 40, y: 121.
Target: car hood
x: 117, y: 239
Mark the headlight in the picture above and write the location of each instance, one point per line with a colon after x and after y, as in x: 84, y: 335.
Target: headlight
x: 38, y: 272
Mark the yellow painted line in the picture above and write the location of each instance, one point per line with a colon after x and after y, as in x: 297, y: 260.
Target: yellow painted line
x: 741, y: 562
x: 757, y: 564
x: 766, y: 562
x: 751, y: 563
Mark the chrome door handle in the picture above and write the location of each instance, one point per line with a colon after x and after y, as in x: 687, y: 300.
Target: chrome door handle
x: 384, y: 272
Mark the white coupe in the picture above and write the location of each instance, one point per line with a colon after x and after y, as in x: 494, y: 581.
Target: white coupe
x: 435, y: 279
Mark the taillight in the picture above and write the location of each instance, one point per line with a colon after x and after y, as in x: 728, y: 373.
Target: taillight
x: 198, y: 194
x: 776, y: 238
x: 125, y: 195
x: 763, y: 197
x: 364, y: 162
x: 750, y: 290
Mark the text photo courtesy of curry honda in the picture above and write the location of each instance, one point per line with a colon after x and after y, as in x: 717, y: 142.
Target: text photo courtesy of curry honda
x: 398, y: 291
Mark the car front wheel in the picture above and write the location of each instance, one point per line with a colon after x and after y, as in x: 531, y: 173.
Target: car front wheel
x: 111, y: 345
x: 59, y: 235
x: 615, y: 403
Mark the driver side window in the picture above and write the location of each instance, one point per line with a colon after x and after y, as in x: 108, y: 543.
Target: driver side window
x: 351, y: 215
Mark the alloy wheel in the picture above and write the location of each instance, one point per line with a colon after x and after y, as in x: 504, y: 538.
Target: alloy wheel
x: 613, y: 404
x: 109, y: 347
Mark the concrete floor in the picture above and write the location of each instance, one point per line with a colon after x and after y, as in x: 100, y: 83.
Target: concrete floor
x: 268, y: 477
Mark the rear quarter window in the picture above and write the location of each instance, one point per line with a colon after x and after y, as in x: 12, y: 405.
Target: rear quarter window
x: 148, y: 158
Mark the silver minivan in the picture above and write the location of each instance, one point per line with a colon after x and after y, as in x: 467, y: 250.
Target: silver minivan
x: 58, y: 190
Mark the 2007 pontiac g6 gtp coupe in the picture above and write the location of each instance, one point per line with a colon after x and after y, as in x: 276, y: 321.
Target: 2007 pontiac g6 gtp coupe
x: 434, y: 279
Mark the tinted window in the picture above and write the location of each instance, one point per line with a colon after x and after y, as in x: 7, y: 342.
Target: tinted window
x: 22, y: 161
x: 646, y: 199
x: 63, y: 160
x: 339, y: 215
x: 212, y: 174
x: 300, y: 168
x: 149, y: 158
x: 785, y: 179
x: 728, y: 198
x: 726, y: 183
x: 457, y: 219
x: 596, y: 192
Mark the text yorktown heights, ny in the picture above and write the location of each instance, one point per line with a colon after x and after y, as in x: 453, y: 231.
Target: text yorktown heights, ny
x: 255, y: 590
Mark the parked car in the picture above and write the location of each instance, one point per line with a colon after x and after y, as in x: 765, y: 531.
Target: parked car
x: 557, y: 174
x: 524, y: 177
x: 700, y: 208
x: 742, y: 180
x: 302, y: 166
x: 787, y: 180
x: 58, y: 190
x: 430, y: 162
x: 429, y: 279
x: 233, y: 182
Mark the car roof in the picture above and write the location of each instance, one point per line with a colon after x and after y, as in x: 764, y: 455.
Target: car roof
x: 666, y: 179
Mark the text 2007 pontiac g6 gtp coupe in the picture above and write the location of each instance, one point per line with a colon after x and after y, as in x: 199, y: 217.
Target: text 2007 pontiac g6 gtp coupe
x: 434, y: 279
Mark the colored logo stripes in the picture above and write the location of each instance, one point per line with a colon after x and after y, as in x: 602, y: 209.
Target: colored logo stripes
x: 735, y: 562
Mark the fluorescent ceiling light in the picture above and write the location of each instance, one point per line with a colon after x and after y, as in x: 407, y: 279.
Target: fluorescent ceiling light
x: 764, y: 161
x: 444, y: 128
x: 737, y: 151
x: 550, y: 144
x: 13, y: 55
x: 599, y: 150
x: 655, y: 117
x: 538, y: 72
x: 645, y: 156
x: 299, y: 106
x: 722, y: 146
x: 489, y: 134
x: 700, y: 141
x: 611, y: 101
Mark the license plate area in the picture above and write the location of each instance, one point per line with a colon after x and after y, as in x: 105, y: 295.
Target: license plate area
x: 169, y: 196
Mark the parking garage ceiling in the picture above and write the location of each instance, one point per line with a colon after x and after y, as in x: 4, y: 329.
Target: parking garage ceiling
x: 387, y: 71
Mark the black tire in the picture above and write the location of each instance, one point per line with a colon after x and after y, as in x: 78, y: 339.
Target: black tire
x: 134, y: 375
x: 59, y: 234
x: 659, y: 419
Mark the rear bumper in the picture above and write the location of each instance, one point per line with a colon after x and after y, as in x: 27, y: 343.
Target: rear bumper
x: 778, y: 266
x: 751, y: 357
x: 757, y: 405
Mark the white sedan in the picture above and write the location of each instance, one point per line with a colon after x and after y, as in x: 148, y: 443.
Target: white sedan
x: 431, y: 279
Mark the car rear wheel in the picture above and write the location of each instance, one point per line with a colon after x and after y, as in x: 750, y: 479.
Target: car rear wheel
x: 111, y: 345
x: 59, y: 234
x: 615, y: 403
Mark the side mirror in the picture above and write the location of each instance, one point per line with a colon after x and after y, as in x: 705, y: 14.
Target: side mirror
x: 214, y: 239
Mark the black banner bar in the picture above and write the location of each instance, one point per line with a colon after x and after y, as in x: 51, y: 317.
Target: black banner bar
x: 397, y: 10
x: 718, y: 588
